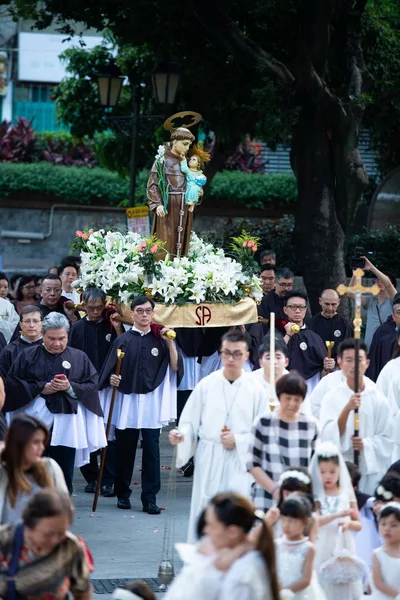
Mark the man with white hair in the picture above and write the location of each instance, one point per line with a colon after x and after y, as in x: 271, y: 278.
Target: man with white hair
x: 59, y: 385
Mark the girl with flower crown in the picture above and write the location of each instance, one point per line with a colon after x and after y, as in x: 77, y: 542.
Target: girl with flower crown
x: 292, y: 481
x: 338, y: 517
x: 295, y: 553
x: 386, y: 559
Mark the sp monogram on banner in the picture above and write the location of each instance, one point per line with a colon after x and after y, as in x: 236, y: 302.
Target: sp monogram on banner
x: 202, y: 315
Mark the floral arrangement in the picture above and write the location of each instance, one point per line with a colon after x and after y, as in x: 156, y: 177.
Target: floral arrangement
x: 125, y: 265
x: 243, y: 248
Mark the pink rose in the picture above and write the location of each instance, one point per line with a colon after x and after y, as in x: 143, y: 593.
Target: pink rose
x: 78, y: 233
x: 142, y: 246
x: 250, y: 243
x: 244, y: 244
x: 91, y: 232
x: 254, y: 248
x: 154, y: 249
x: 84, y: 236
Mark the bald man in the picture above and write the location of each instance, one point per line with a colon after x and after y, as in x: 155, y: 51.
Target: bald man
x: 330, y: 326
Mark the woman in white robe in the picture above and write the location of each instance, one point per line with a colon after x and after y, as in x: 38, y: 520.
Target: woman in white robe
x: 248, y: 568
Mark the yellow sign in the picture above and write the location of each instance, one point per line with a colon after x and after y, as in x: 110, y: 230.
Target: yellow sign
x: 137, y: 211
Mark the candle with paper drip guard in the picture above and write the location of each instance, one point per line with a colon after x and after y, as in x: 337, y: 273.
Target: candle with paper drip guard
x: 272, y: 402
x: 295, y: 328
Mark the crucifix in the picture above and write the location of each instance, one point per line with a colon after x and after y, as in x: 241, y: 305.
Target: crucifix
x: 358, y: 290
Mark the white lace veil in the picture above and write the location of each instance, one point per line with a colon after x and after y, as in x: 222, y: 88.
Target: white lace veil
x: 330, y: 450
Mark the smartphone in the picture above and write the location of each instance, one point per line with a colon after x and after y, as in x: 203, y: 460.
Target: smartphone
x: 62, y: 377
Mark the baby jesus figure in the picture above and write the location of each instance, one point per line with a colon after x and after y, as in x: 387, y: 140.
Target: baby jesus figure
x: 195, y: 179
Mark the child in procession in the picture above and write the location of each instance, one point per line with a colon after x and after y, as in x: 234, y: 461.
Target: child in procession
x: 386, y: 559
x: 295, y: 552
x: 338, y: 517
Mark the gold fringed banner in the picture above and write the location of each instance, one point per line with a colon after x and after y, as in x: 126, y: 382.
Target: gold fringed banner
x: 203, y: 315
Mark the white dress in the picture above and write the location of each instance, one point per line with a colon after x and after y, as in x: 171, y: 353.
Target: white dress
x: 290, y: 558
x: 326, y: 543
x: 390, y: 569
x: 247, y: 579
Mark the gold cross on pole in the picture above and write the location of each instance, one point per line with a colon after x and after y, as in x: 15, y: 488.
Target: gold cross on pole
x: 358, y: 289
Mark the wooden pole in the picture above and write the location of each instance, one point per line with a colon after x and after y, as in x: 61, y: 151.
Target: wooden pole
x: 357, y: 334
x: 272, y: 402
x: 120, y: 356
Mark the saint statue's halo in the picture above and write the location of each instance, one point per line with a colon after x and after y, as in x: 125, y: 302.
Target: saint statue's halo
x: 192, y: 119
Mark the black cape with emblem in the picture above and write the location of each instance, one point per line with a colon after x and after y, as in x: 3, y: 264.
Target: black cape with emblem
x: 35, y: 367
x: 144, y: 365
x: 306, y: 353
x: 95, y: 338
x: 381, y: 350
x: 335, y: 329
x: 10, y: 353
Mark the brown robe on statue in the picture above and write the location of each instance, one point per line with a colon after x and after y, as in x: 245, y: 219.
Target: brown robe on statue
x: 166, y: 228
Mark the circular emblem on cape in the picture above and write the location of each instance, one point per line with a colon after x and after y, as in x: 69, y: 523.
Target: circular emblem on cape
x: 154, y: 351
x: 66, y: 364
x: 337, y: 333
x: 303, y: 346
x: 108, y: 337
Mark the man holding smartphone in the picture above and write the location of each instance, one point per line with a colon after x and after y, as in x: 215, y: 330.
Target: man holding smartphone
x: 58, y: 385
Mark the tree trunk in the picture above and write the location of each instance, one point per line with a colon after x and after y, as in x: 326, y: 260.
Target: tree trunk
x: 319, y: 239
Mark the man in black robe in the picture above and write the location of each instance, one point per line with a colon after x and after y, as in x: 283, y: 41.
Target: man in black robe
x: 51, y: 301
x: 330, y: 326
x: 145, y: 401
x: 94, y: 335
x: 30, y: 327
x: 3, y: 342
x: 384, y: 342
x: 274, y: 301
x: 267, y: 276
x: 307, y: 351
x: 58, y: 385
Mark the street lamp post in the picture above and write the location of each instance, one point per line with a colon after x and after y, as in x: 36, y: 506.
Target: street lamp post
x: 165, y: 80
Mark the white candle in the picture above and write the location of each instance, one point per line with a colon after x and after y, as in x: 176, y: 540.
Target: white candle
x: 272, y: 359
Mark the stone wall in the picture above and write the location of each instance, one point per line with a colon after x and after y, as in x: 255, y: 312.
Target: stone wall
x: 39, y: 255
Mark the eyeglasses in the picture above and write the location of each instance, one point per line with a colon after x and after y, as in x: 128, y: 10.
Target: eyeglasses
x: 397, y: 313
x: 296, y: 307
x: 94, y: 308
x: 31, y: 321
x: 142, y: 311
x: 235, y: 355
x: 285, y: 285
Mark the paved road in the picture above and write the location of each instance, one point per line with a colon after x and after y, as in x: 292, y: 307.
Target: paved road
x: 128, y: 543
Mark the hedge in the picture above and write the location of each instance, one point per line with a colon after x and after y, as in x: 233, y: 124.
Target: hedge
x: 380, y: 246
x: 85, y: 186
x: 253, y: 189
